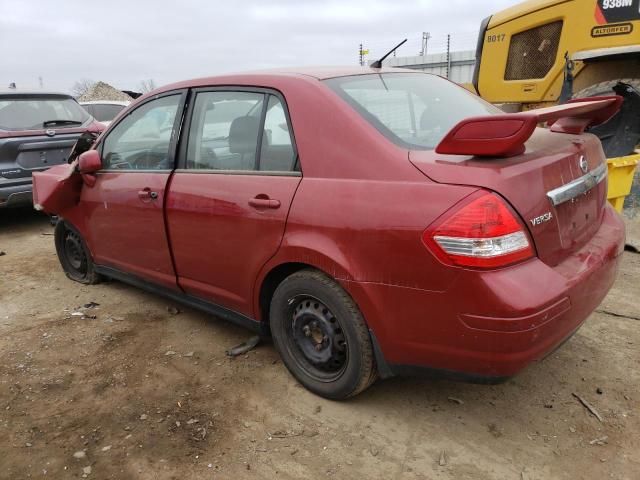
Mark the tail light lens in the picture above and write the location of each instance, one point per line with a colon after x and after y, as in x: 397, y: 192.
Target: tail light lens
x: 483, y: 233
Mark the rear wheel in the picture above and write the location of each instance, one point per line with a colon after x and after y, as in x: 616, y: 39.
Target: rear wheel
x: 74, y: 255
x: 321, y: 335
x: 621, y: 134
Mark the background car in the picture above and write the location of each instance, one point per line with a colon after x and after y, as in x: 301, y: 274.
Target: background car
x: 373, y: 221
x: 37, y: 131
x: 104, y: 111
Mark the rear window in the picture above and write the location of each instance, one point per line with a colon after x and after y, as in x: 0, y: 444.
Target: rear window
x: 104, y: 112
x: 413, y: 110
x: 30, y: 112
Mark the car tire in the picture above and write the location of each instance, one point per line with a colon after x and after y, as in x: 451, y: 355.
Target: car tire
x: 321, y: 335
x: 617, y: 137
x: 74, y: 255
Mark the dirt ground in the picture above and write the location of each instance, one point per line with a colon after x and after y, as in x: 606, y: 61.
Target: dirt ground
x: 129, y: 390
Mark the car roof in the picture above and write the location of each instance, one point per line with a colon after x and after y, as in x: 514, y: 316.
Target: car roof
x: 317, y: 72
x: 105, y: 102
x: 32, y: 94
x: 328, y: 71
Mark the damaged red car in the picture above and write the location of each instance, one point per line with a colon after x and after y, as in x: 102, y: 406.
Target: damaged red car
x: 373, y: 222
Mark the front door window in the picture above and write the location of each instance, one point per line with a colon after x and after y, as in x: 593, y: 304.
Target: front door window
x: 141, y: 141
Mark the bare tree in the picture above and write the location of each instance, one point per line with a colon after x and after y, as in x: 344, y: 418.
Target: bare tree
x: 147, y: 85
x: 81, y: 87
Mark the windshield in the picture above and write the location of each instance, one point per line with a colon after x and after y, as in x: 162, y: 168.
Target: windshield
x: 31, y: 112
x: 414, y: 110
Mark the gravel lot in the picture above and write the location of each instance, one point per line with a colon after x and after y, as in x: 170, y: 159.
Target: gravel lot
x: 131, y: 390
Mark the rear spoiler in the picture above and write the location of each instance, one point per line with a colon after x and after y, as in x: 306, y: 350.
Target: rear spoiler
x: 504, y: 135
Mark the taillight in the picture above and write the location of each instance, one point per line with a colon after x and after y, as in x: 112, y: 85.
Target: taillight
x: 483, y: 233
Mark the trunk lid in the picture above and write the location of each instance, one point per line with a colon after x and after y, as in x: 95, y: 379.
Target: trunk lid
x: 551, y: 161
x: 22, y: 155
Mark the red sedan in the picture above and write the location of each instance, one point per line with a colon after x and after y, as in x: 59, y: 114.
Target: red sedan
x: 374, y: 222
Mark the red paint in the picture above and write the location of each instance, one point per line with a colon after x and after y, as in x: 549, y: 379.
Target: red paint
x: 89, y: 162
x: 550, y: 161
x: 57, y: 188
x: 505, y: 135
x: 126, y: 231
x: 220, y: 239
x: 579, y: 122
x: 600, y: 19
x: 429, y: 328
x: 482, y: 216
x: 358, y: 213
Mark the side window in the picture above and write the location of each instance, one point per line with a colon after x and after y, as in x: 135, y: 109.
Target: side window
x: 141, y: 141
x: 224, y: 130
x: 277, y: 152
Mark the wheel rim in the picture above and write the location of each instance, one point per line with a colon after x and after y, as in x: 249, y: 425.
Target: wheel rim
x: 318, y: 343
x: 74, y: 252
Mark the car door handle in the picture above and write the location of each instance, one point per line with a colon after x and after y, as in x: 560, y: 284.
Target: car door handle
x: 147, y: 194
x: 261, y: 202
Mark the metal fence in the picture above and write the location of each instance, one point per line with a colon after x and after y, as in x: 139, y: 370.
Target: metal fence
x: 457, y: 66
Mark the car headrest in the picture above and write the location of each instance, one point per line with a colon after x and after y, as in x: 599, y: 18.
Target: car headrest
x: 243, y: 135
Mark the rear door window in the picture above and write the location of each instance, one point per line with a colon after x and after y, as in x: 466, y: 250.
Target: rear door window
x: 240, y: 131
x: 277, y: 153
x: 224, y: 131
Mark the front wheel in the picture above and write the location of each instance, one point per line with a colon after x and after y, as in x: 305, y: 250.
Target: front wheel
x: 321, y: 335
x: 74, y: 255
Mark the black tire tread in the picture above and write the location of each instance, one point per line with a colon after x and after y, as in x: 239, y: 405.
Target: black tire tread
x: 368, y: 372
x: 91, y: 277
x: 606, y: 87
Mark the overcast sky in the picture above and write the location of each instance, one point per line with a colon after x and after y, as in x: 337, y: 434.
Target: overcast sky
x: 123, y: 43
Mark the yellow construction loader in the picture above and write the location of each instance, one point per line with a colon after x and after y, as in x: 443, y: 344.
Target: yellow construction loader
x: 544, y: 52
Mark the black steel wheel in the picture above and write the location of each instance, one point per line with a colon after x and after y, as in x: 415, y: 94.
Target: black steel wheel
x: 319, y: 343
x: 74, y: 252
x: 321, y: 335
x: 74, y: 255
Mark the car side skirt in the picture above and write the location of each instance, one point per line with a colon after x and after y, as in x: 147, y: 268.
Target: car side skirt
x: 189, y: 300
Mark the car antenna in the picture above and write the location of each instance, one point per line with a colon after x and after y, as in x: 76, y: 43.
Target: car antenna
x: 378, y: 63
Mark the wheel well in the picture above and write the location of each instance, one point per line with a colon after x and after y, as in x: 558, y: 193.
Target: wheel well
x: 607, y: 69
x: 271, y: 282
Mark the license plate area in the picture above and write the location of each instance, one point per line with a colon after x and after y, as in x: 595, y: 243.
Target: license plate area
x: 578, y: 218
x: 35, y: 159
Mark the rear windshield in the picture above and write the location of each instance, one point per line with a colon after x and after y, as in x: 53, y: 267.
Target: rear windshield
x: 414, y: 110
x: 104, y: 112
x: 30, y: 112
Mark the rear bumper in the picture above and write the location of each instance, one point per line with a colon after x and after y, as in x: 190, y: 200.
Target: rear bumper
x: 15, y: 195
x: 490, y: 325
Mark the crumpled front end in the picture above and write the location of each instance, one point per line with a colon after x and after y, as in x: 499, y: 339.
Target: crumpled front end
x: 57, y: 188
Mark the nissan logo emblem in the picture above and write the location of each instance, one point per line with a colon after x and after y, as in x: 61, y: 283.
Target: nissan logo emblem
x: 50, y: 133
x: 584, y: 166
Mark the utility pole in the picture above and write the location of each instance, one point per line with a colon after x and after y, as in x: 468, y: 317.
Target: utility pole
x: 425, y: 40
x: 448, y: 55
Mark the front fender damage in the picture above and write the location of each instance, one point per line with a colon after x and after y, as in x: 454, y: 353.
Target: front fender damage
x: 57, y: 189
